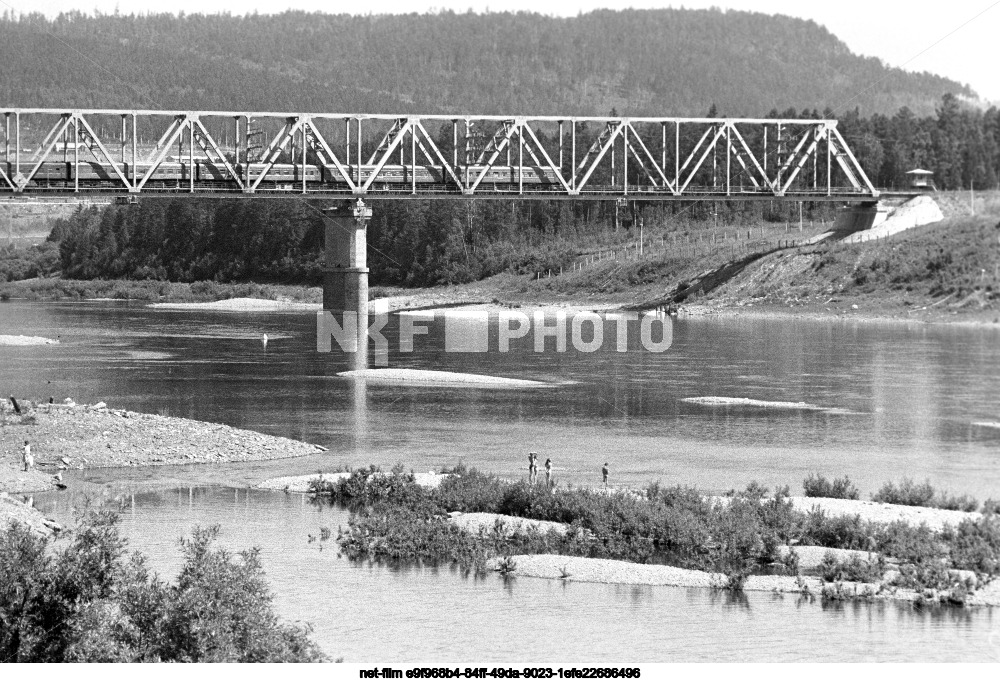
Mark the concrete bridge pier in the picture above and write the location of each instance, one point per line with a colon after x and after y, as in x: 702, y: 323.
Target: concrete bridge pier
x: 345, y: 276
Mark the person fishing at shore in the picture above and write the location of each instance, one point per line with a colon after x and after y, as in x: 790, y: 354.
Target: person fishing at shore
x: 27, y: 459
x: 548, y: 472
x: 604, y: 474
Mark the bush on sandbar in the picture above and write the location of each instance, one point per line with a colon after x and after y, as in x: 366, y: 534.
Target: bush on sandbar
x: 816, y: 485
x: 923, y: 495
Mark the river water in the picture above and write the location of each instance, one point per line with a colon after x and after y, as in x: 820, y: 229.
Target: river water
x: 885, y: 400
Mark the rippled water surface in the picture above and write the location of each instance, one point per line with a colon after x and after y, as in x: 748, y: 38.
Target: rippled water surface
x: 899, y: 399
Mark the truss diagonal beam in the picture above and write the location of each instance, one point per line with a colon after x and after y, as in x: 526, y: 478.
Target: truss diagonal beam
x: 817, y: 136
x: 500, y: 137
x: 551, y: 166
x: 45, y: 142
x: 615, y: 132
x: 401, y: 132
x: 274, y: 149
x: 791, y: 159
x: 709, y: 148
x: 3, y: 176
x: 660, y: 172
x: 396, y: 126
x: 499, y: 147
x: 23, y: 181
x: 439, y: 156
x: 325, y: 146
x: 854, y: 161
x: 100, y: 145
x: 177, y: 127
x: 222, y: 157
x: 756, y: 164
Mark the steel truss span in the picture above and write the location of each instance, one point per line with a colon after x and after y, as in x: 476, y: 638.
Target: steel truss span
x: 51, y: 153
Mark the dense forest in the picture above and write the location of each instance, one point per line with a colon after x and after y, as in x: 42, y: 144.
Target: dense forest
x: 670, y: 62
x: 633, y: 62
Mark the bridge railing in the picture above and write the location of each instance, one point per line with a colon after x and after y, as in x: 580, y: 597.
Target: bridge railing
x: 56, y: 152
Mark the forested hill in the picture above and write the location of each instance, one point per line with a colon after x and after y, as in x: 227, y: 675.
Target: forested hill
x: 666, y: 62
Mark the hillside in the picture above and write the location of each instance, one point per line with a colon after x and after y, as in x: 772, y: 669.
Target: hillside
x: 671, y: 62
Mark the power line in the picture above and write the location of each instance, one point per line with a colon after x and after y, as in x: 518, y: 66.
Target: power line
x: 929, y: 47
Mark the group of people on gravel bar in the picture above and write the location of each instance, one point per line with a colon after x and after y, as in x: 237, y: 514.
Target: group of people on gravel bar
x: 533, y: 470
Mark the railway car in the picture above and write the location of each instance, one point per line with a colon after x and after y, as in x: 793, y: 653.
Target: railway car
x: 210, y: 174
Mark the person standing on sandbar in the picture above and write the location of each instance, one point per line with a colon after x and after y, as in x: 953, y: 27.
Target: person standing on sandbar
x: 28, y: 460
x: 604, y: 474
x: 548, y: 472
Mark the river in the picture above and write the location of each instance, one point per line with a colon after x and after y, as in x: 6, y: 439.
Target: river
x: 883, y: 401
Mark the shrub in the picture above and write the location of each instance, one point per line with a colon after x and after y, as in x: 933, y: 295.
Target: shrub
x: 87, y: 601
x: 838, y: 532
x: 368, y: 486
x: 912, y: 544
x: 975, y: 545
x: 923, y: 495
x: 931, y: 575
x: 818, y: 486
x: 678, y: 497
x: 956, y: 502
x: 469, y: 490
x: 907, y: 492
x: 854, y: 569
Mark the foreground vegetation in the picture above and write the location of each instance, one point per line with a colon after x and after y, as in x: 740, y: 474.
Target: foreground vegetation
x: 738, y: 535
x: 87, y: 600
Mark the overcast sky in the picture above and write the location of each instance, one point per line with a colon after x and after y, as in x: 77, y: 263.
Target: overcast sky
x: 901, y: 33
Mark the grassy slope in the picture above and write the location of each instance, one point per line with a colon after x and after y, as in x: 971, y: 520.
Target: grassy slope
x: 951, y: 267
x: 946, y: 268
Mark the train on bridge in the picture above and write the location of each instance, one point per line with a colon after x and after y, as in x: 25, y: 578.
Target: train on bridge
x: 209, y: 175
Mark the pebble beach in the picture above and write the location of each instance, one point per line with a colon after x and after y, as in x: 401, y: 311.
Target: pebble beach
x: 87, y: 437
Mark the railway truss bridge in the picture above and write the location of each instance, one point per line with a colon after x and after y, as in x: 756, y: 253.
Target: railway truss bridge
x: 48, y: 152
x: 127, y: 154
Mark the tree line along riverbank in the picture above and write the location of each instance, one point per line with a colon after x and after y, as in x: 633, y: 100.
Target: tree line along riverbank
x: 940, y: 272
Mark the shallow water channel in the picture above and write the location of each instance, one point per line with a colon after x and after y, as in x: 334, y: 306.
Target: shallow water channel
x: 883, y: 401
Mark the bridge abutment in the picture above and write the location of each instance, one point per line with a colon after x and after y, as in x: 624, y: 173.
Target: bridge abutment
x: 861, y: 216
x: 345, y: 275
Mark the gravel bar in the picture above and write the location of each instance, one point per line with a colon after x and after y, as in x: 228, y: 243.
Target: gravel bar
x: 80, y: 437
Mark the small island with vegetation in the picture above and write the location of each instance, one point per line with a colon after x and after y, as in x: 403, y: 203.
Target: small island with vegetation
x: 831, y: 547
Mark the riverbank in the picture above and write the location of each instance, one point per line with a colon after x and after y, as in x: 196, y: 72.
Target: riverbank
x: 82, y: 437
